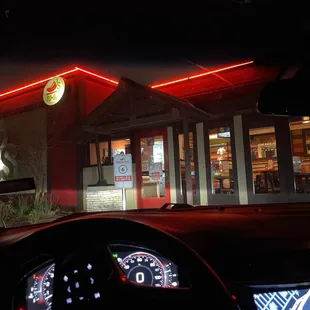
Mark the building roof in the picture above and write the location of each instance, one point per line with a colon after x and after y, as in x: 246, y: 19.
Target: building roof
x: 177, y: 81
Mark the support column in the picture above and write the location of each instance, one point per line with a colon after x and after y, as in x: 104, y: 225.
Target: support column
x: 171, y: 158
x: 100, y: 172
x: 240, y: 159
x: 189, y: 192
x: 203, y: 193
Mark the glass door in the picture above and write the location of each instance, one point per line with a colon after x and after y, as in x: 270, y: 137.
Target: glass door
x: 153, y: 188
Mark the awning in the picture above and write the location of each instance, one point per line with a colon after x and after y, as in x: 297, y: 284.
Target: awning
x: 134, y: 106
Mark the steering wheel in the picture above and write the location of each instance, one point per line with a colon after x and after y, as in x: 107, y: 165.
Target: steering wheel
x: 80, y: 245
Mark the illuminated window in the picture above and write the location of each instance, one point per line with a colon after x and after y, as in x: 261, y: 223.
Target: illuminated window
x: 104, y: 153
x: 221, y: 161
x: 117, y: 147
x: 264, y: 161
x: 153, y: 167
x: 300, y: 133
x: 120, y: 147
x: 182, y: 162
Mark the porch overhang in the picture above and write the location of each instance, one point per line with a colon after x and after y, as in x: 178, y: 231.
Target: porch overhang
x: 133, y: 106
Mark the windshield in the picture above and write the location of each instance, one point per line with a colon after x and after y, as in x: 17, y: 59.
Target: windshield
x: 145, y: 119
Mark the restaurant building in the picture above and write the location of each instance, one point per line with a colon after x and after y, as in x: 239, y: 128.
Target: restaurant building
x: 195, y: 139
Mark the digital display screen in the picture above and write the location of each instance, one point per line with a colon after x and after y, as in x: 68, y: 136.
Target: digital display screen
x: 297, y: 299
x: 223, y: 132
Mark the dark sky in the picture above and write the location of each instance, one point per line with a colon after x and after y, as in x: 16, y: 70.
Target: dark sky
x: 148, y: 42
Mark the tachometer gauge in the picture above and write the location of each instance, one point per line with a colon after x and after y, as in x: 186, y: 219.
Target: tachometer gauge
x: 47, y: 285
x: 35, y: 292
x: 40, y: 288
x: 144, y: 268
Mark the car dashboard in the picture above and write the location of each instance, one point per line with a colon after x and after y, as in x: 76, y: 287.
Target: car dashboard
x: 260, y: 273
x: 139, y: 265
x: 144, y: 266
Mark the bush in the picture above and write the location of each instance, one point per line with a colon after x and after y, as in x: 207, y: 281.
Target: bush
x: 7, y: 214
x: 22, y: 210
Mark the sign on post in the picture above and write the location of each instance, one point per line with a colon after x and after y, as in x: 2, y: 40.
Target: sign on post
x: 123, y: 174
x: 123, y: 171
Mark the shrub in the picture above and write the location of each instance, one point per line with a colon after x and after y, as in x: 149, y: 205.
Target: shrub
x: 23, y: 210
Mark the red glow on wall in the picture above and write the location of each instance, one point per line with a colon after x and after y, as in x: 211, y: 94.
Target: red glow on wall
x: 202, y: 74
x: 39, y: 82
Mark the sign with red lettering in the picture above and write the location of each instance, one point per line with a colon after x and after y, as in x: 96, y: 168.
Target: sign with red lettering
x: 123, y: 171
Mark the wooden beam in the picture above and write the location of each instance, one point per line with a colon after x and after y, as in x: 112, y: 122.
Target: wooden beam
x: 163, y: 98
x: 134, y: 124
x: 119, y: 116
x: 99, y: 167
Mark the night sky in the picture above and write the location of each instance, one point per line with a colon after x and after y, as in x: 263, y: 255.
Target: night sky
x: 145, y: 43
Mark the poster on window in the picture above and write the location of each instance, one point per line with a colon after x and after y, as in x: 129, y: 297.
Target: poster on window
x: 145, y: 165
x: 156, y: 171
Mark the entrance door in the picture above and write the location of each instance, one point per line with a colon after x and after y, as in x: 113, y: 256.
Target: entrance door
x: 152, y: 169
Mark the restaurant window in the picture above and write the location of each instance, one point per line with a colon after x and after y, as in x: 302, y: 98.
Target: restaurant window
x: 300, y: 135
x: 120, y: 147
x: 264, y: 160
x: 182, y: 162
x: 116, y: 147
x: 153, y: 167
x: 221, y: 161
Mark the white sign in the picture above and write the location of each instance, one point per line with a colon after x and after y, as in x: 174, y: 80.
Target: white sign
x: 54, y: 90
x: 123, y: 171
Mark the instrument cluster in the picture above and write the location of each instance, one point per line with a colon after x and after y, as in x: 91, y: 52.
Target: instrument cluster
x: 140, y: 265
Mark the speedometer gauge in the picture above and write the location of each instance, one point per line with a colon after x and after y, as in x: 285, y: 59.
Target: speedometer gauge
x: 47, y: 285
x: 40, y: 288
x: 146, y: 269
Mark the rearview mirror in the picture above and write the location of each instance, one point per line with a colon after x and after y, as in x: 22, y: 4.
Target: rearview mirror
x: 288, y: 97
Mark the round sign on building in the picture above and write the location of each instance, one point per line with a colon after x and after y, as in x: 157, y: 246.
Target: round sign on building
x: 54, y: 90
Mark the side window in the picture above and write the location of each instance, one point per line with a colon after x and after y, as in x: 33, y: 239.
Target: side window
x: 120, y: 147
x: 300, y: 136
x: 265, y: 171
x: 114, y: 147
x: 221, y: 161
x: 104, y: 153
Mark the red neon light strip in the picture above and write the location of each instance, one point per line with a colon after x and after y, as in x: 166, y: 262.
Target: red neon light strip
x: 60, y: 74
x: 116, y: 83
x: 36, y: 83
x: 97, y: 75
x: 202, y: 74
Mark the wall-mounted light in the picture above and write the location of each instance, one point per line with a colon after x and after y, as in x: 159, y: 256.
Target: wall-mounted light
x: 306, y: 119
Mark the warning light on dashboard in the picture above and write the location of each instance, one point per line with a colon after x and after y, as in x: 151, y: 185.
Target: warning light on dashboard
x: 115, y: 255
